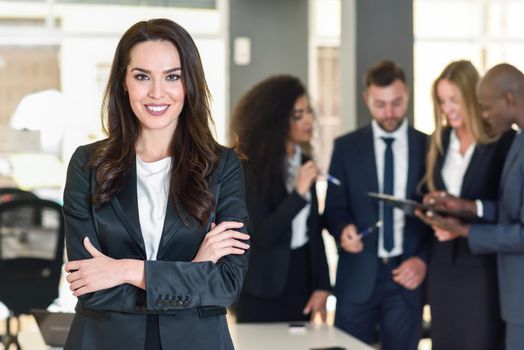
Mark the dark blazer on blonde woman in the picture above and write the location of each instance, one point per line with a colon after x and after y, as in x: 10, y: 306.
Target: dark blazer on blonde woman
x: 463, y: 288
x: 189, y: 298
x: 280, y: 280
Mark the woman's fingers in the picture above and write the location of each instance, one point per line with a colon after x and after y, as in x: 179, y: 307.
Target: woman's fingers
x: 91, y: 248
x: 224, y: 226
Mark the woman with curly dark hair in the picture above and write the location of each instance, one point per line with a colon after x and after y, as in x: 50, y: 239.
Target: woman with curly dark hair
x: 155, y: 213
x: 288, y: 277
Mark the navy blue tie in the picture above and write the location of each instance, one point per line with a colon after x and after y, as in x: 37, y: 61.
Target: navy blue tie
x: 389, y: 181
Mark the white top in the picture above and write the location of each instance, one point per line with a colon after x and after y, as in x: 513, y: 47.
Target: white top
x: 152, y: 193
x: 400, y: 159
x: 299, y: 224
x: 455, y: 165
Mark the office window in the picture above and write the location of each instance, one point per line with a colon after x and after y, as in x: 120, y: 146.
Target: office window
x: 486, y: 32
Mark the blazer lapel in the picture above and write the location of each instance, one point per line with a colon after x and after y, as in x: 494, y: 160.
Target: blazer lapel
x: 125, y: 204
x: 172, y: 224
x: 413, y: 163
x: 513, y: 154
x: 368, y: 160
x: 473, y: 169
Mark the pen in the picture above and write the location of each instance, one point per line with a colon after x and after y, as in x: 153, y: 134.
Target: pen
x: 333, y: 180
x: 370, y: 229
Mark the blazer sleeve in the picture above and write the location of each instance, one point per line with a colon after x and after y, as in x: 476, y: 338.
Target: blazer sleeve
x: 79, y: 223
x: 497, y: 238
x: 337, y: 213
x: 489, y: 209
x: 501, y: 238
x: 205, y: 283
x: 269, y: 226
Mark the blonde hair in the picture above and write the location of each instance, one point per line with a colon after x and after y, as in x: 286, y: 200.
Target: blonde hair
x: 465, y: 77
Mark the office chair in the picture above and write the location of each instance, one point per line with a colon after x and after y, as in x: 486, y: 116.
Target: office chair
x: 9, y: 193
x: 31, y: 257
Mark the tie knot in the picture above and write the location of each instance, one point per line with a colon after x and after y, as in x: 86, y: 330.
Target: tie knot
x: 388, y: 140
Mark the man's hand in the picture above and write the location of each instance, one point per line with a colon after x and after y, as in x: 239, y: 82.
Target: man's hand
x: 350, y: 240
x: 441, y: 200
x: 410, y: 273
x: 455, y: 227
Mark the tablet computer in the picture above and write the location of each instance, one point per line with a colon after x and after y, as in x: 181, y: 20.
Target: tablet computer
x: 408, y: 206
x: 54, y: 326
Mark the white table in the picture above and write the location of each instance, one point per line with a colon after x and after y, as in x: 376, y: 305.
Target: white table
x: 274, y: 336
x: 278, y: 336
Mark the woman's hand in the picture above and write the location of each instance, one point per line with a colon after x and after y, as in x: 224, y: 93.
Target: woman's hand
x: 316, y: 305
x: 307, y: 174
x: 222, y: 240
x: 102, y: 272
x: 444, y: 235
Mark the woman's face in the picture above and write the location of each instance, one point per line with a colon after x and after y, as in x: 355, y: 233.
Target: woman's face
x: 154, y: 85
x: 450, y: 103
x: 301, y: 121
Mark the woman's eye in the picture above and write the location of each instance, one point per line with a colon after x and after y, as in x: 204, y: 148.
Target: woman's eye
x: 141, y: 77
x: 173, y: 77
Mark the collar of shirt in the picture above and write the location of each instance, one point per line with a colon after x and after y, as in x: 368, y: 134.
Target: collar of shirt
x: 401, y: 131
x: 296, y: 158
x: 454, y: 145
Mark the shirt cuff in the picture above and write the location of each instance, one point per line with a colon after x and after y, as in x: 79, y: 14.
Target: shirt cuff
x: 480, y: 208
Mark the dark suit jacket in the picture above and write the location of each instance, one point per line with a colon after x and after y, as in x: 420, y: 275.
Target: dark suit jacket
x: 455, y: 271
x: 507, y: 237
x: 190, y: 298
x: 353, y: 163
x: 271, y: 215
x: 481, y: 181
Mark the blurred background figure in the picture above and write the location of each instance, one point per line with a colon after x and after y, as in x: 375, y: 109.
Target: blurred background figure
x: 465, y: 159
x: 287, y: 279
x: 44, y: 111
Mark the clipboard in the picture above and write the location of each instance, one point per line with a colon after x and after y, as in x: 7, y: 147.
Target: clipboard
x: 408, y: 206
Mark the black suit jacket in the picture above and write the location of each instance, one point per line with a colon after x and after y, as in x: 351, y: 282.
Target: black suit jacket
x: 353, y: 163
x: 188, y: 297
x: 481, y: 181
x: 271, y: 215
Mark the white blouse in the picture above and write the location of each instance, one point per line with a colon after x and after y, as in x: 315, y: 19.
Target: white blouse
x: 152, y: 192
x: 455, y: 165
x: 299, y: 225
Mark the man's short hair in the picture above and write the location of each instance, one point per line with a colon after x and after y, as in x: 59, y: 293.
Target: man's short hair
x: 383, y: 74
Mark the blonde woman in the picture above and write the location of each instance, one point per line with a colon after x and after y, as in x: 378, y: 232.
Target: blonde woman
x: 465, y: 159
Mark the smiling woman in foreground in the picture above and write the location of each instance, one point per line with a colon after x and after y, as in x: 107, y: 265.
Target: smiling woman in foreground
x: 155, y: 214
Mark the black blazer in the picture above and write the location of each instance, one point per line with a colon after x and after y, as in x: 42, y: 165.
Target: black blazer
x: 271, y: 215
x: 190, y: 298
x: 481, y: 181
x: 353, y: 163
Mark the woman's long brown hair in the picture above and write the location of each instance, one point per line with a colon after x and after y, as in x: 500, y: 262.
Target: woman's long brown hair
x: 465, y: 77
x: 194, y: 151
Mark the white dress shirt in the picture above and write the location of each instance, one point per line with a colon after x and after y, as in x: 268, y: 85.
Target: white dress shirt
x: 401, y: 157
x: 455, y: 165
x: 299, y: 225
x: 152, y: 193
